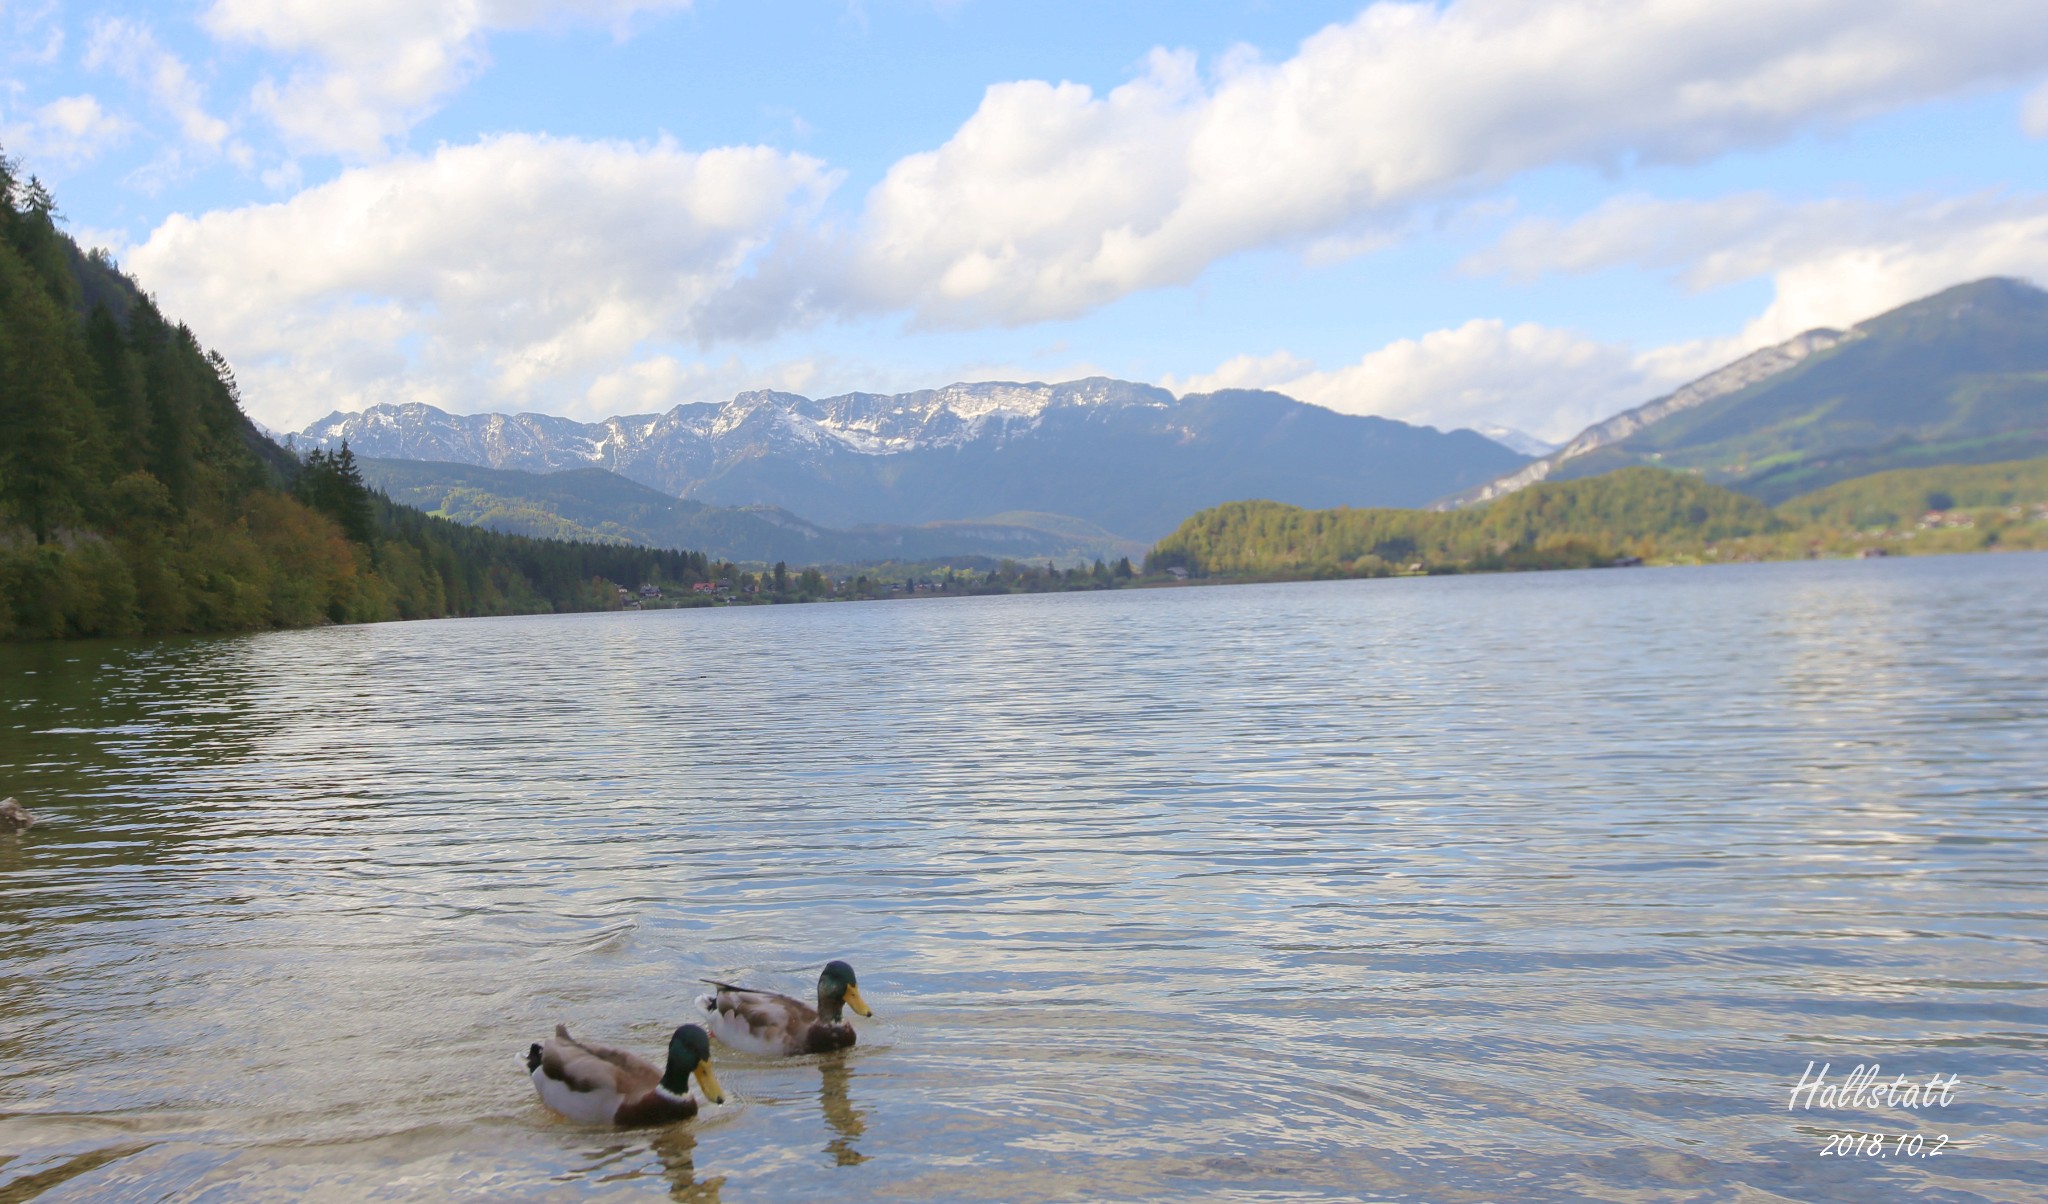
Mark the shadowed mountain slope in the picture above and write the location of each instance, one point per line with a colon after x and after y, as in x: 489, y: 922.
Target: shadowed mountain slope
x: 597, y: 504
x: 1960, y: 377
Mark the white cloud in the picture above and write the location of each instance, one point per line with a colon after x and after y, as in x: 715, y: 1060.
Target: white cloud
x: 78, y: 117
x: 69, y: 130
x: 513, y: 272
x: 1051, y: 200
x: 133, y: 53
x: 1549, y: 382
x: 1845, y: 285
x: 1832, y: 262
x: 1243, y: 372
x: 376, y: 67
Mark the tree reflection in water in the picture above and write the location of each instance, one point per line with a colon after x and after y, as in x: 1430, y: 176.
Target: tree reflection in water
x: 847, y: 1121
x: 676, y: 1146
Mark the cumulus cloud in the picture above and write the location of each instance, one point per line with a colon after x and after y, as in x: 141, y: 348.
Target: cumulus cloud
x: 513, y: 272
x: 374, y: 68
x: 1051, y: 199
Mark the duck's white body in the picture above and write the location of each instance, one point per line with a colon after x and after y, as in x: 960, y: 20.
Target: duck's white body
x: 598, y: 1107
x: 758, y: 1022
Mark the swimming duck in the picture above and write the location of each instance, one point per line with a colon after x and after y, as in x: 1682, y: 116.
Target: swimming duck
x: 763, y: 1022
x: 14, y: 817
x: 599, y: 1085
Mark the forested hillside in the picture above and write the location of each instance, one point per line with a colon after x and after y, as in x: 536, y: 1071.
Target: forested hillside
x: 1559, y: 525
x: 1647, y: 514
x: 135, y: 496
x: 1904, y: 496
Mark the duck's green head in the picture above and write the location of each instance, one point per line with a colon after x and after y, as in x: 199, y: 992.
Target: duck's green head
x: 837, y: 987
x: 689, y: 1053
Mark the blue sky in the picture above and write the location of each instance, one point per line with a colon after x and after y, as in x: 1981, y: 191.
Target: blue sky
x: 1489, y: 211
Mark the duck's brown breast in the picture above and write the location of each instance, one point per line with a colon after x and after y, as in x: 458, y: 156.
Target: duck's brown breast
x: 654, y: 1108
x: 824, y: 1038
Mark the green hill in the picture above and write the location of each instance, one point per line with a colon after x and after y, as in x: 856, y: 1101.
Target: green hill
x: 1960, y: 377
x: 1903, y: 496
x: 1552, y: 525
x: 1634, y: 513
x: 597, y: 504
x: 136, y: 497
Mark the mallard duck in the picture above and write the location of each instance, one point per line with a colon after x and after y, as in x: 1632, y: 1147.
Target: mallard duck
x: 14, y: 817
x: 763, y: 1022
x: 599, y: 1085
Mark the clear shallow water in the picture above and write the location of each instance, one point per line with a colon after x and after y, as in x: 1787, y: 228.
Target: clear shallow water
x: 1534, y: 887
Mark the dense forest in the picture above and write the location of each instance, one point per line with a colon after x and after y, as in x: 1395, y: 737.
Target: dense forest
x: 136, y: 497
x: 1627, y: 516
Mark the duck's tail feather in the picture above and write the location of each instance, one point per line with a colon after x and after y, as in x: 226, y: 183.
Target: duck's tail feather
x: 533, y: 1057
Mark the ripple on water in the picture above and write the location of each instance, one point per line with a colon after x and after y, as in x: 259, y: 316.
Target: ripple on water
x: 1542, y: 886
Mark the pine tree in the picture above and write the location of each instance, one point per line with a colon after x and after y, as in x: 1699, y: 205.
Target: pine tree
x: 331, y: 483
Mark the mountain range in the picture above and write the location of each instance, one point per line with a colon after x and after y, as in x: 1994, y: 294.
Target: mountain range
x: 1960, y: 377
x: 1128, y: 458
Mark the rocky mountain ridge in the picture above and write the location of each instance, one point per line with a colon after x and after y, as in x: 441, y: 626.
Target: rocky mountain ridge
x: 1131, y: 458
x: 1958, y: 377
x: 1749, y: 370
x: 865, y: 423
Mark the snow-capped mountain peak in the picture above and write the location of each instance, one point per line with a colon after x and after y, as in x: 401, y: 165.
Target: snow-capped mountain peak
x: 990, y: 447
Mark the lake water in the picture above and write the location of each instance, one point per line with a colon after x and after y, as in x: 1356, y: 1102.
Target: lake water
x: 1538, y: 887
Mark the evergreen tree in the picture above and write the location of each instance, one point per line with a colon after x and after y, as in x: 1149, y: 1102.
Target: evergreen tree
x: 332, y: 484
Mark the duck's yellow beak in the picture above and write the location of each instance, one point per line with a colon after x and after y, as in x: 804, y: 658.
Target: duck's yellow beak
x: 709, y: 1083
x: 854, y: 1001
